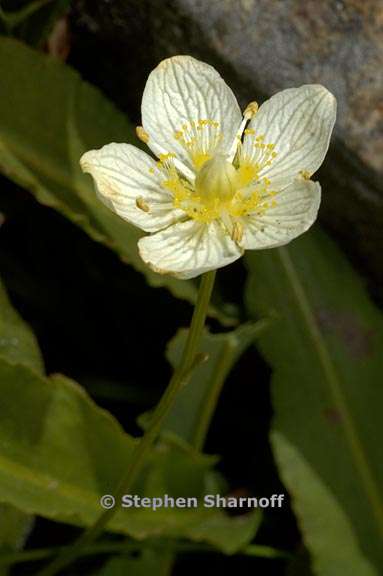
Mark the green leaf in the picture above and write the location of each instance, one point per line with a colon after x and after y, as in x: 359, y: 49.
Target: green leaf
x: 15, y: 527
x: 60, y: 453
x: 327, y: 530
x: 194, y: 407
x: 48, y: 118
x: 18, y: 344
x: 148, y: 563
x: 325, y: 349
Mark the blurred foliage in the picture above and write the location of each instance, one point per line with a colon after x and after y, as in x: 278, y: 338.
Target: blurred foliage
x: 328, y: 532
x: 325, y: 347
x: 45, y: 417
x: 18, y: 344
x: 307, y: 312
x: 31, y: 21
x: 41, y: 145
x: 148, y: 563
x: 222, y: 352
x: 15, y: 526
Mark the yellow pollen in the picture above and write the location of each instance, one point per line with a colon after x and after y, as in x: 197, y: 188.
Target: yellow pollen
x: 255, y: 151
x: 164, y: 157
x: 305, y: 174
x: 200, y: 139
x: 199, y: 159
x: 165, y: 162
x: 247, y: 173
x: 223, y: 190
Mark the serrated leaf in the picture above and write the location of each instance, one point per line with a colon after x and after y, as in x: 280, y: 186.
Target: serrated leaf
x: 325, y: 349
x: 48, y: 117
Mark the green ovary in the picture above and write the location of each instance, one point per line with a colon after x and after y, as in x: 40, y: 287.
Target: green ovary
x: 220, y: 190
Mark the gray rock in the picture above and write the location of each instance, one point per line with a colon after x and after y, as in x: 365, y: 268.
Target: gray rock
x: 260, y: 47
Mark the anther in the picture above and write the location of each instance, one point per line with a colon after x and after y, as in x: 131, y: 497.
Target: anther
x: 142, y: 134
x: 305, y: 174
x: 141, y: 204
x: 251, y: 110
x: 237, y: 232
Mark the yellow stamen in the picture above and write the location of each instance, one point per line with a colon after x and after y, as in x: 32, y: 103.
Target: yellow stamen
x: 247, y: 172
x: 221, y: 190
x: 200, y: 139
x: 251, y: 110
x: 142, y: 134
x: 141, y: 204
x: 237, y: 231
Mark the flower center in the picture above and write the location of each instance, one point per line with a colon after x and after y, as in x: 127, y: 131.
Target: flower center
x: 223, y: 189
x: 217, y: 180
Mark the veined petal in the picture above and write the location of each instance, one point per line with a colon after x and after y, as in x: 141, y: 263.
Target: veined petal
x: 294, y: 128
x: 188, y: 249
x: 295, y: 211
x: 127, y: 182
x: 182, y: 91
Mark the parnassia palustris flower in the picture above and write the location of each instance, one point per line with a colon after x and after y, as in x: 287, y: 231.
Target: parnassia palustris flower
x: 223, y: 182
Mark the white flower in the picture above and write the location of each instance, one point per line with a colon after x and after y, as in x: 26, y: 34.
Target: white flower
x: 223, y: 183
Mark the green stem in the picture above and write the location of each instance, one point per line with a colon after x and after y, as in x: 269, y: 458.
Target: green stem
x: 222, y: 367
x: 210, y: 402
x: 146, y: 442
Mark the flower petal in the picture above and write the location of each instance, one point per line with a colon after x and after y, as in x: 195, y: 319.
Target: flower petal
x: 182, y: 90
x: 126, y: 176
x: 298, y: 122
x: 295, y: 211
x: 188, y: 249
